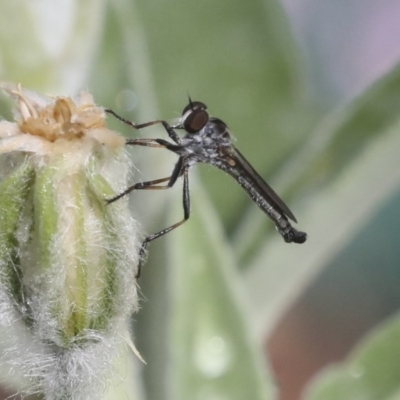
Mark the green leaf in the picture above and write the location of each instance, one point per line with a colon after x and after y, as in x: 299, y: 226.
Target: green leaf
x: 371, y: 372
x: 343, y: 186
x: 212, y: 354
x: 124, y: 52
x: 39, y: 42
x: 334, y: 144
x: 124, y: 70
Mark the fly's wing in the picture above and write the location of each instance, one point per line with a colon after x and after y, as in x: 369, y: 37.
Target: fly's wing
x: 237, y: 166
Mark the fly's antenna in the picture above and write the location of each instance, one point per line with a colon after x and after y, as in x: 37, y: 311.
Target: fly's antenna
x: 190, y: 101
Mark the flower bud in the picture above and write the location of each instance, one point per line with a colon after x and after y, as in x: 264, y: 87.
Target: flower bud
x: 67, y: 260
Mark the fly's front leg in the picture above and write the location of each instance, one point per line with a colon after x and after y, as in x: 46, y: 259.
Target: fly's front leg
x: 186, y: 214
x: 171, y: 133
x: 130, y: 123
x: 145, y: 142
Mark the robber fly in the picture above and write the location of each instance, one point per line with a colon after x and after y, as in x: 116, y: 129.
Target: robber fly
x: 208, y: 140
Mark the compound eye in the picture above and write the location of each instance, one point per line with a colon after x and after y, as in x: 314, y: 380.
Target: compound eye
x: 196, y: 121
x: 194, y: 105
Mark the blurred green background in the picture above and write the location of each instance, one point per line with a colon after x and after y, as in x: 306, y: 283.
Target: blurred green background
x: 311, y: 92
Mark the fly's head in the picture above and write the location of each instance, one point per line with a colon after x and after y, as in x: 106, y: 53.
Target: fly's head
x: 200, y: 127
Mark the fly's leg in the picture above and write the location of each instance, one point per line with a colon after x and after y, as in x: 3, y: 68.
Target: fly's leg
x: 186, y: 214
x: 289, y: 234
x: 170, y: 130
x: 179, y: 170
x: 149, y: 185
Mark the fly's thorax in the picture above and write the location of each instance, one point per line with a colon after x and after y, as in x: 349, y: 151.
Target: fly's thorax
x: 199, y: 149
x: 206, y: 144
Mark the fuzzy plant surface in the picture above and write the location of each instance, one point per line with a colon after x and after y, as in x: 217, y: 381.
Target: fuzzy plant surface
x: 67, y: 260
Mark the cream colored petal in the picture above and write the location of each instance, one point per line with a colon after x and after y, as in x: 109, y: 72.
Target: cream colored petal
x: 24, y: 142
x: 84, y: 98
x: 107, y: 137
x: 8, y: 129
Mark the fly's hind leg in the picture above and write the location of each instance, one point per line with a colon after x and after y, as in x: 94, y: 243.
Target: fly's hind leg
x: 186, y: 214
